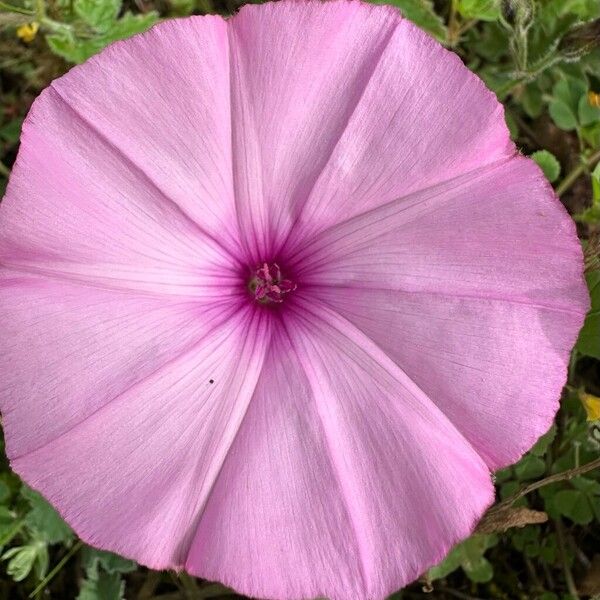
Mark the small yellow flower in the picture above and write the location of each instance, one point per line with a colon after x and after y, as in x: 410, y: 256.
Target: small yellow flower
x: 591, y: 404
x: 28, y: 31
x: 594, y: 99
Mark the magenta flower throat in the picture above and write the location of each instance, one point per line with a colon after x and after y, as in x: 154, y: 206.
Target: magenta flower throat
x: 277, y: 293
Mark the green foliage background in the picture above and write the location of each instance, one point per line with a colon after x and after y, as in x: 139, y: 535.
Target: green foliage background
x: 542, y: 58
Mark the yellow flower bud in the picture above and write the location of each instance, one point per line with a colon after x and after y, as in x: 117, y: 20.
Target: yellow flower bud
x: 28, y: 31
x: 591, y: 404
x: 594, y: 99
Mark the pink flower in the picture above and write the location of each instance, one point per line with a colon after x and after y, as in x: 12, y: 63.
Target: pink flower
x: 278, y: 292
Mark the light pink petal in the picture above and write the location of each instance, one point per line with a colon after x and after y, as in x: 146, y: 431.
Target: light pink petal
x: 133, y: 477
x: 344, y: 481
x: 342, y: 106
x: 298, y: 72
x: 124, y: 173
x: 68, y: 350
x: 475, y: 289
x: 161, y: 100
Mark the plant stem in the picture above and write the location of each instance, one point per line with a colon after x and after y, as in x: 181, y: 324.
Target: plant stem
x: 565, y: 475
x: 572, y: 177
x: 452, y: 37
x: 63, y: 561
x: 16, y: 9
x: 560, y: 538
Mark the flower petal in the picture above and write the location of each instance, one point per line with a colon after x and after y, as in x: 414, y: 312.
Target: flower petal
x: 475, y: 289
x: 69, y: 349
x: 298, y: 70
x: 133, y: 477
x: 344, y: 481
x: 341, y: 107
x: 124, y: 172
x: 161, y: 99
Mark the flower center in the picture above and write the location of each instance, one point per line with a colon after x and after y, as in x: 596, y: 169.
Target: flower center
x: 268, y: 285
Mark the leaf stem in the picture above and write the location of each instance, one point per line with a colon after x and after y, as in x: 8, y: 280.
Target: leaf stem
x: 63, y: 561
x: 572, y: 177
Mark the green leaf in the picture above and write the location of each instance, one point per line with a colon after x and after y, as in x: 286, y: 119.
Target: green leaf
x: 98, y: 15
x: 182, y: 7
x: 22, y: 559
x: 11, y: 131
x: 482, y: 10
x: 128, y: 25
x: 585, y: 9
x: 549, y: 549
x: 111, y: 563
x: 448, y: 565
x: 530, y: 467
x: 511, y: 123
x: 45, y: 520
x: 422, y: 13
x: 575, y: 505
x: 569, y: 90
x: 548, y: 163
x: 541, y: 446
x: 589, y: 336
x: 10, y: 525
x: 469, y: 556
x: 78, y: 50
x: 66, y: 47
x: 101, y: 586
x: 4, y: 492
x: 479, y: 571
x: 596, y: 184
x: 562, y: 115
x: 588, y: 114
x: 532, y: 100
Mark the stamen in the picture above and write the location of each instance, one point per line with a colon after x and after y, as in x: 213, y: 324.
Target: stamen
x: 268, y: 285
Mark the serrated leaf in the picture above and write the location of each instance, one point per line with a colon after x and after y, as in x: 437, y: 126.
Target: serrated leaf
x: 66, y: 47
x: 422, y: 13
x: 109, y: 562
x: 548, y: 163
x: 130, y: 24
x: 44, y: 519
x: 98, y: 15
x: 22, y: 559
x: 100, y: 585
x: 78, y: 50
